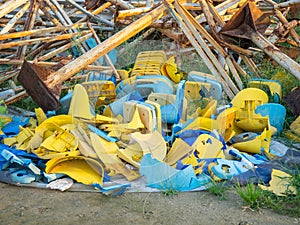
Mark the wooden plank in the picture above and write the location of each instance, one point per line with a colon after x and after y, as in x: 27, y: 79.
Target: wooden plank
x: 76, y: 65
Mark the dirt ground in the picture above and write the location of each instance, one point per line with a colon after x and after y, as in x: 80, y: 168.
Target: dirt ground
x: 22, y: 205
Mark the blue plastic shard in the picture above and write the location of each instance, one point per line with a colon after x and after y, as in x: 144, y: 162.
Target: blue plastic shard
x: 169, y: 178
x: 275, y: 112
x: 117, y: 106
x: 227, y: 169
x: 113, y: 190
x: 243, y: 155
x: 12, y: 128
x: 4, y: 163
x: 190, y: 136
x: 12, y: 158
x: 171, y: 113
x: 216, y: 88
x: 22, y: 176
x: 102, y: 134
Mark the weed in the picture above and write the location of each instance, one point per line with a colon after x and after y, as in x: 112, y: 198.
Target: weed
x: 218, y: 189
x: 288, y: 204
x: 251, y: 194
x: 170, y: 192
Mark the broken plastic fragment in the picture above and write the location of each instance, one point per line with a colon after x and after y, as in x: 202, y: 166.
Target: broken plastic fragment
x: 27, y: 163
x: 109, y: 157
x: 280, y: 183
x: 208, y: 147
x: 169, y: 69
x: 40, y: 115
x: 80, y: 105
x: 82, y: 169
x: 162, y: 176
x: 227, y: 169
x: 153, y: 143
x: 61, y: 184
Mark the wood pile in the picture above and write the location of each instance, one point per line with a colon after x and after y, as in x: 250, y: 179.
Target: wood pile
x: 53, y: 34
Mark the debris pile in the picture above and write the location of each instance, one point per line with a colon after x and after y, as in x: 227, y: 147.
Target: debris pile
x: 152, y: 124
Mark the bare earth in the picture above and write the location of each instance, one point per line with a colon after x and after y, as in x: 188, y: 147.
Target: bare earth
x: 22, y: 205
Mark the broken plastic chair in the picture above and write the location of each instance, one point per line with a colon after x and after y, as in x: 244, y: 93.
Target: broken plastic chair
x: 227, y: 126
x: 100, y: 92
x: 227, y: 169
x: 271, y: 87
x: 162, y: 176
x: 252, y: 142
x: 116, y: 108
x: 148, y: 63
x: 169, y: 69
x: 207, y: 146
x: 171, y: 113
x: 247, y: 101
x: 195, y: 91
x: 215, y: 90
x: 145, y: 85
x: 275, y: 112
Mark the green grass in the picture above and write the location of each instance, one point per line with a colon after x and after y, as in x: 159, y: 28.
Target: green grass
x: 251, y: 195
x: 218, y: 189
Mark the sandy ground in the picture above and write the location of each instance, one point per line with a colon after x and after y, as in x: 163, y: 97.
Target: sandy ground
x: 22, y: 205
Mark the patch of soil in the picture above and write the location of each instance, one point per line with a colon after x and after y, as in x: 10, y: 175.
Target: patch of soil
x: 20, y: 205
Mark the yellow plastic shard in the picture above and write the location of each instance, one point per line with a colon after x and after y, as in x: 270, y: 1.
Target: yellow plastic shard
x: 165, y: 99
x: 147, y: 119
x: 100, y: 91
x: 294, y: 132
x: 210, y: 109
x: 61, y: 141
x: 123, y: 74
x: 82, y: 169
x: 295, y: 126
x: 208, y: 147
x: 132, y: 154
x: 254, y: 146
x: 158, y: 114
x: 84, y: 148
x: 279, y: 183
x: 23, y: 138
x: 247, y: 94
x: 178, y: 150
x: 80, y: 105
x: 135, y: 124
x: 128, y: 111
x: 40, y: 115
x: 227, y: 126
x: 153, y: 143
x: 169, y: 69
x: 44, y: 153
x: 248, y: 120
x: 57, y: 120
x: 111, y: 160
x: 192, y: 90
x: 105, y: 119
x: 10, y: 141
x: 203, y: 124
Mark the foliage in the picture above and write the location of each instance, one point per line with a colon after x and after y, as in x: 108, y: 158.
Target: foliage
x: 251, y: 194
x: 218, y: 189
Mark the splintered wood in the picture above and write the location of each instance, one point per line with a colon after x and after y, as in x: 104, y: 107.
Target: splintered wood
x: 69, y: 36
